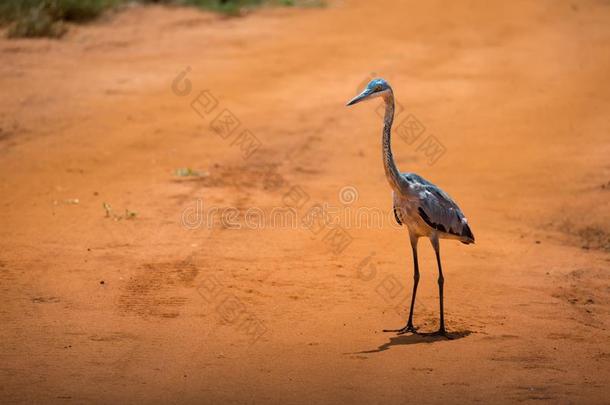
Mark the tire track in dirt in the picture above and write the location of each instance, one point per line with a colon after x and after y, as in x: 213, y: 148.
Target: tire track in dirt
x: 156, y: 289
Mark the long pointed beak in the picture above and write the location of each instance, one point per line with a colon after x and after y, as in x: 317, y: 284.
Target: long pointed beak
x: 359, y: 97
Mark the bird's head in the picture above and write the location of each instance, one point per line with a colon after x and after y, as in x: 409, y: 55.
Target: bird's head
x: 375, y: 88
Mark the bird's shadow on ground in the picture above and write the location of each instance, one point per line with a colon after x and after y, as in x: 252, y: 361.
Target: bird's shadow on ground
x: 413, y: 339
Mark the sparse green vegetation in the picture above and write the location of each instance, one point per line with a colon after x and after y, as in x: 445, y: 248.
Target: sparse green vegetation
x: 46, y: 18
x: 36, y: 22
x: 229, y: 7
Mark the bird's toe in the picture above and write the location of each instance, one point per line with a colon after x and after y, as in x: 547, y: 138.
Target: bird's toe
x: 442, y: 333
x: 402, y: 331
x: 407, y: 329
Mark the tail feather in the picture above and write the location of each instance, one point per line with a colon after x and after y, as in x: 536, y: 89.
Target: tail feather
x: 467, y: 235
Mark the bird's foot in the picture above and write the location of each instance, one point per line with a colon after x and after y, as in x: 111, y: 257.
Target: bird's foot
x: 441, y: 332
x: 402, y: 331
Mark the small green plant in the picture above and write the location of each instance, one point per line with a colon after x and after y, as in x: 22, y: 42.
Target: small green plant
x: 110, y: 214
x: 188, y: 172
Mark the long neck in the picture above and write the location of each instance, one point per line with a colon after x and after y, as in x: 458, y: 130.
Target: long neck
x: 391, y: 171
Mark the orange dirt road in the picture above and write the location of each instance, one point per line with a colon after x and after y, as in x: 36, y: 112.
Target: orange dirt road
x: 188, y: 297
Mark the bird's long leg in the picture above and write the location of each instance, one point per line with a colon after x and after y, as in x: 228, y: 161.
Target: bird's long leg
x: 409, y: 327
x: 441, y: 281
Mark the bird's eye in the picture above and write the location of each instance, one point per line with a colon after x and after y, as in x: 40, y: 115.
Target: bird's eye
x: 378, y: 87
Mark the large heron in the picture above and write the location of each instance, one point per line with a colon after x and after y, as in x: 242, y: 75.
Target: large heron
x: 425, y: 209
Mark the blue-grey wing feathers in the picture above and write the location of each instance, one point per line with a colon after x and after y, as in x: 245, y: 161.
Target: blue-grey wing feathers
x: 438, y: 210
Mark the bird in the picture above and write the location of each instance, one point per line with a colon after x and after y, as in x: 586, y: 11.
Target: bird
x: 425, y: 209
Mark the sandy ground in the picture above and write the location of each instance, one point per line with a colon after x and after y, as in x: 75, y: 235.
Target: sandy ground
x: 168, y: 307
